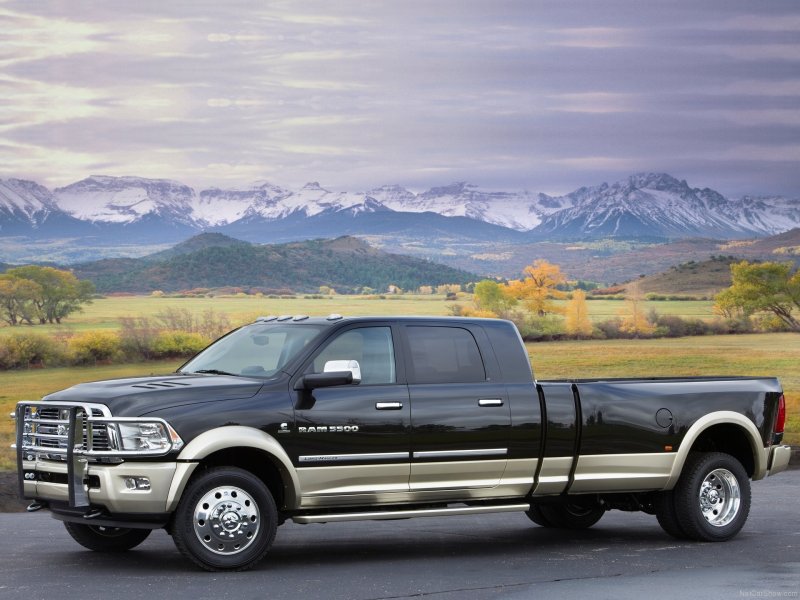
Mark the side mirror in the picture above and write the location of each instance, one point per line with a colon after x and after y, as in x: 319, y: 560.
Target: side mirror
x: 344, y: 365
x: 336, y: 372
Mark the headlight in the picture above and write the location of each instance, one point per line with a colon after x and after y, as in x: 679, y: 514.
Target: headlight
x: 148, y: 437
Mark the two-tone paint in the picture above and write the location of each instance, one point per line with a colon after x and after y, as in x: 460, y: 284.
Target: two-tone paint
x: 505, y: 439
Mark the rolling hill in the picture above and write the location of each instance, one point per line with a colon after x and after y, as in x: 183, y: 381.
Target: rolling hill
x: 347, y: 264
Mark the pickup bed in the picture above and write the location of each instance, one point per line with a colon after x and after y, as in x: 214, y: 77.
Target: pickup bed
x: 339, y: 419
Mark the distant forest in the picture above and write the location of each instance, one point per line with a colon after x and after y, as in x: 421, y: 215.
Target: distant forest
x: 346, y: 264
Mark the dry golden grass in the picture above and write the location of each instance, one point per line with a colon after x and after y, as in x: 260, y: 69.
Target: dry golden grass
x: 755, y: 355
x: 775, y: 354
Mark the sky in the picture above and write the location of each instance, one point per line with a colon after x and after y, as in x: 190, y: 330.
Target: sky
x: 547, y: 96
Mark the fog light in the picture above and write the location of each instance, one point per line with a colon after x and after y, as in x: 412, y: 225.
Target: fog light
x: 137, y: 483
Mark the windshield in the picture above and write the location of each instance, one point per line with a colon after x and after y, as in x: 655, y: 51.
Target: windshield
x: 258, y: 350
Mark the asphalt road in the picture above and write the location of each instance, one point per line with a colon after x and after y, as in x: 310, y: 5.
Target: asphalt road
x: 626, y: 555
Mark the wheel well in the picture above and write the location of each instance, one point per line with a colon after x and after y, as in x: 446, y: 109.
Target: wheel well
x: 730, y: 439
x: 258, y: 462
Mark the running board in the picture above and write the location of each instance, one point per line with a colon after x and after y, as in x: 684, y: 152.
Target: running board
x: 408, y: 514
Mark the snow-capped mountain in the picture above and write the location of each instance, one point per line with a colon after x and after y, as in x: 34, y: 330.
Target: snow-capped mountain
x: 133, y: 209
x: 770, y: 214
x: 126, y: 200
x: 218, y: 208
x: 26, y: 206
x: 658, y: 205
x: 516, y: 210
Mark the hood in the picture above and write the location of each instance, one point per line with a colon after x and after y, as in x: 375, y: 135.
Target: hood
x: 133, y: 397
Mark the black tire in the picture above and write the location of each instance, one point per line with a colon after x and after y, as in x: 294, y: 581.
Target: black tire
x: 536, y: 515
x: 569, y: 515
x: 667, y: 515
x: 226, y: 520
x: 106, y: 539
x: 712, y: 497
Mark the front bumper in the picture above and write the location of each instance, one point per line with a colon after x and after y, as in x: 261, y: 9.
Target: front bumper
x: 104, y: 485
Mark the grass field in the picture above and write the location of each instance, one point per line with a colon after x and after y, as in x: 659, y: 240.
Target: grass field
x: 104, y: 313
x: 766, y: 354
x: 756, y: 355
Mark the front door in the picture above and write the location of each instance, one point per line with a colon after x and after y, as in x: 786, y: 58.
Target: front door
x: 352, y: 442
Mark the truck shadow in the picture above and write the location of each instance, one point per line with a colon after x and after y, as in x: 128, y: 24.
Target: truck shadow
x: 298, y: 548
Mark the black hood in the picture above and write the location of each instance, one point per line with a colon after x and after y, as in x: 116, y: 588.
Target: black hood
x: 133, y: 397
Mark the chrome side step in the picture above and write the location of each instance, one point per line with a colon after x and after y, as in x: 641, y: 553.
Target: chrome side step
x: 408, y: 514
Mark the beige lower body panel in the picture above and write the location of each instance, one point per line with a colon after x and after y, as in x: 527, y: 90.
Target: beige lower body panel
x: 349, y: 480
x: 448, y: 475
x: 553, y: 476
x: 779, y: 459
x: 378, y: 484
x: 622, y: 472
x: 112, y: 494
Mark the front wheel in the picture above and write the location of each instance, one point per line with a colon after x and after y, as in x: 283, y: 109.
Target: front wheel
x: 106, y: 539
x: 226, y: 520
x: 712, y: 497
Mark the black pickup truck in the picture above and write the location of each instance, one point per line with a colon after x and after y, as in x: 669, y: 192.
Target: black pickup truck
x: 339, y: 419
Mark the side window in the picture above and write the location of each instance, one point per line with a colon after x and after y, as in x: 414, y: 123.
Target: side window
x: 444, y: 355
x: 370, y: 346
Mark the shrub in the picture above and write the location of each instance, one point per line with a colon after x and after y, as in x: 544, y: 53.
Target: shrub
x: 95, y: 346
x: 672, y: 326
x: 20, y: 350
x: 209, y: 324
x: 740, y: 325
x: 535, y: 328
x: 455, y: 310
x: 771, y: 323
x: 176, y: 344
x: 477, y: 313
x: 610, y: 329
x: 137, y: 336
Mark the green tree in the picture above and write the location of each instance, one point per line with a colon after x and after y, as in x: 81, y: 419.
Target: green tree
x: 491, y: 296
x: 769, y: 286
x: 60, y: 293
x: 17, y: 299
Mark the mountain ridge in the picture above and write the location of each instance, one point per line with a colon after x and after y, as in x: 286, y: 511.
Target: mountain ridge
x: 645, y: 205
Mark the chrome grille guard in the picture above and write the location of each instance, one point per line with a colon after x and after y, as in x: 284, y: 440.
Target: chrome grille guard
x: 40, y: 436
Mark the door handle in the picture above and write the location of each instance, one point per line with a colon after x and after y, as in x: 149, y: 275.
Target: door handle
x: 388, y: 405
x: 490, y: 402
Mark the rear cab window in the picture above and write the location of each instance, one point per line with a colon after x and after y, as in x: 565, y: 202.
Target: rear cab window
x: 443, y: 354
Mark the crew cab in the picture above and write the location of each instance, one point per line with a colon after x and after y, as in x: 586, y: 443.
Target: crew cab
x: 339, y: 419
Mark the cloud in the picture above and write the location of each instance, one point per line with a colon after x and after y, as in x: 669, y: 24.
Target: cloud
x: 593, y: 102
x: 525, y: 93
x: 593, y: 37
x: 27, y: 37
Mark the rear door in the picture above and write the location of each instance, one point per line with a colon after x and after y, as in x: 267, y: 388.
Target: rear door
x: 460, y: 416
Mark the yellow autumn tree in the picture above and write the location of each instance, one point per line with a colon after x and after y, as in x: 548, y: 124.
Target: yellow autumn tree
x: 537, y: 289
x: 577, y: 316
x: 634, y: 319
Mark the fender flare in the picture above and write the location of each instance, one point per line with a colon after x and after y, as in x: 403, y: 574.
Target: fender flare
x: 224, y: 438
x: 723, y: 417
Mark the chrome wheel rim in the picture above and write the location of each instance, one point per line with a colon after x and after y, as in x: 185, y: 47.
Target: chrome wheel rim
x: 226, y: 520
x: 720, y: 497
